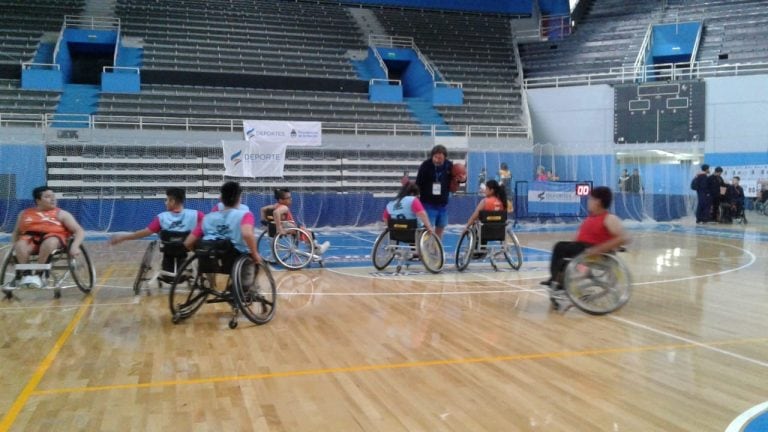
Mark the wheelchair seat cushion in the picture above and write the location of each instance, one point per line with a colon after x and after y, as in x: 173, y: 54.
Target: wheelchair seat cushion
x: 216, y: 256
x: 172, y: 243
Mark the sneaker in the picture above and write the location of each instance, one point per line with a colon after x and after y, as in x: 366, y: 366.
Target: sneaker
x: 31, y: 281
x: 546, y: 282
x: 323, y: 247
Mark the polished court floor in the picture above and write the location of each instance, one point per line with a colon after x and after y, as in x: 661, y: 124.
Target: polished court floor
x: 353, y: 349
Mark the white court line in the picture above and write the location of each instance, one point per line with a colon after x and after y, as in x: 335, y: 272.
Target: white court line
x: 689, y: 341
x: 739, y: 422
x: 73, y: 306
x: 374, y: 294
x: 364, y: 239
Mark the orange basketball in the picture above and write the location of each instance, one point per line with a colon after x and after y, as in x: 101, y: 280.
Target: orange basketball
x: 458, y: 175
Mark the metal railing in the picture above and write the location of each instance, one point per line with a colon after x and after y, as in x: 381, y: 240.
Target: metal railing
x: 644, y: 47
x: 385, y: 81
x: 154, y: 123
x: 91, y: 23
x: 387, y: 41
x: 135, y: 70
x: 523, y: 96
x: 30, y: 65
x: 672, y: 71
x: 548, y: 24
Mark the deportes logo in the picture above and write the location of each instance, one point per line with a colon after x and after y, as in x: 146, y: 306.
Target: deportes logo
x: 236, y: 157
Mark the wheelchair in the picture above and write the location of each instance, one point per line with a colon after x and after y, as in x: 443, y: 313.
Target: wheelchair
x: 597, y: 285
x: 731, y: 215
x: 293, y: 249
x: 171, y: 248
x: 56, y: 271
x: 404, y: 241
x: 474, y: 243
x: 250, y: 289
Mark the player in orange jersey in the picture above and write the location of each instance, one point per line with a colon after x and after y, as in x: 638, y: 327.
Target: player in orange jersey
x: 43, y: 229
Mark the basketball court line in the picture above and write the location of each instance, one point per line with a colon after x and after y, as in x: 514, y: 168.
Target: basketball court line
x: 391, y: 366
x: 737, y: 425
x: 29, y: 389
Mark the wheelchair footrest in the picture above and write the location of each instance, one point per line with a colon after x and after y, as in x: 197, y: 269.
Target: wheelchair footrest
x: 24, y: 267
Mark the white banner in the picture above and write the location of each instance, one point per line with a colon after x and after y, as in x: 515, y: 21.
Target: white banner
x: 293, y: 133
x: 248, y: 159
x: 753, y: 178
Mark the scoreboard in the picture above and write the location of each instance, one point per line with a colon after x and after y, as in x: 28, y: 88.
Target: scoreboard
x: 670, y: 111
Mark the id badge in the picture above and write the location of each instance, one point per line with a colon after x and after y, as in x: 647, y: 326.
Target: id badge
x: 436, y: 189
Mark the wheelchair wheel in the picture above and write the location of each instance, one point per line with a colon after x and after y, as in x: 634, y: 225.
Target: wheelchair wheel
x: 597, y: 285
x: 464, y: 250
x: 185, y: 301
x: 144, y: 267
x: 264, y: 246
x: 513, y: 253
x: 82, y: 270
x: 430, y: 250
x: 294, y: 249
x: 5, y: 277
x: 254, y: 290
x: 382, y: 255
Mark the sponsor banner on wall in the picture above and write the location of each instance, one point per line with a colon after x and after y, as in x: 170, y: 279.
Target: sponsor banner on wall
x: 753, y: 178
x: 293, y: 133
x: 553, y: 198
x: 249, y: 159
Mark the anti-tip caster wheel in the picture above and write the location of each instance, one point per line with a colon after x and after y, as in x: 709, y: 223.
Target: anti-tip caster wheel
x: 176, y: 318
x: 233, y: 324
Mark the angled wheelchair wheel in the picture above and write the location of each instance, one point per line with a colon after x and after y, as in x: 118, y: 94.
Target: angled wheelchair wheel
x: 144, y: 267
x: 430, y: 250
x: 187, y: 295
x: 464, y: 250
x: 597, y: 285
x: 293, y: 249
x: 382, y: 254
x: 513, y: 253
x: 82, y: 270
x: 7, y: 275
x: 254, y: 290
x: 264, y: 246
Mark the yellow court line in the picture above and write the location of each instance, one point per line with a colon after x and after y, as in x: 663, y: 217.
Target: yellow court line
x: 42, y: 368
x: 389, y: 366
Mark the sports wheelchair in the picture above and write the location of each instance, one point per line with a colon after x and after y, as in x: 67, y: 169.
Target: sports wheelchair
x: 597, y: 285
x: 171, y: 246
x: 293, y: 249
x: 404, y: 241
x: 250, y: 288
x: 491, y: 226
x: 56, y: 271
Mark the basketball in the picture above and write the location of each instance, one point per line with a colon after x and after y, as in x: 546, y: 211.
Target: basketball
x: 458, y: 176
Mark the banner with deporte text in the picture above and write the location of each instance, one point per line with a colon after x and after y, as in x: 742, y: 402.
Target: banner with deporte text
x: 293, y: 133
x: 250, y: 159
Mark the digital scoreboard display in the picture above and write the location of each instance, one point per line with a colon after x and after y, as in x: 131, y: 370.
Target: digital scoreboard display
x: 583, y: 189
x: 655, y: 112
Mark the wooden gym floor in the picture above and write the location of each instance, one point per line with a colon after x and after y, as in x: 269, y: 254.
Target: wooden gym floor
x: 351, y: 349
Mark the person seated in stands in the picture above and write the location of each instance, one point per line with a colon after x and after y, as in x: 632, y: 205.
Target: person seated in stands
x: 734, y: 200
x: 230, y: 223
x: 541, y: 174
x: 281, y: 212
x: 407, y: 205
x: 175, y: 219
x: 600, y: 232
x: 495, y: 200
x: 42, y: 230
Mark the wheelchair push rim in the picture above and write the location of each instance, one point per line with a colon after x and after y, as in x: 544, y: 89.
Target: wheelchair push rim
x: 82, y: 270
x: 193, y: 297
x: 430, y: 250
x: 254, y: 290
x: 597, y: 285
x: 382, y: 254
x: 464, y: 250
x: 513, y: 253
x: 294, y: 249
